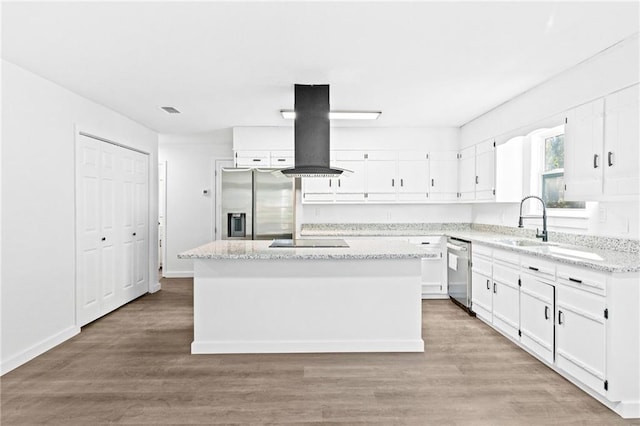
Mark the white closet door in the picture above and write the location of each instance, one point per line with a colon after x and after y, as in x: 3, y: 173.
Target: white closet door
x: 128, y: 224
x: 112, y: 227
x: 141, y: 225
x: 88, y: 251
x: 109, y: 259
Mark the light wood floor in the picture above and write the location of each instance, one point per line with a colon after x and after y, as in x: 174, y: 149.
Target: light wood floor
x: 134, y: 367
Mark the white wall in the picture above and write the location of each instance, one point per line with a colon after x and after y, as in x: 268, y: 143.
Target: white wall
x: 38, y: 225
x: 190, y: 215
x: 611, y: 70
x: 386, y: 213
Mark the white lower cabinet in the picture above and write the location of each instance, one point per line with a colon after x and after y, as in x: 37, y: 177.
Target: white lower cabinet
x: 585, y: 324
x: 482, y: 285
x: 506, y: 295
x: 433, y: 269
x: 537, y: 316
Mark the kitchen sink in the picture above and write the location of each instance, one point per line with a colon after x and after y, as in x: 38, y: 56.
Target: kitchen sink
x: 522, y: 243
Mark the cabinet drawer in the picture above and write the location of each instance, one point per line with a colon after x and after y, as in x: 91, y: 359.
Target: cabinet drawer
x: 582, y: 279
x: 482, y: 250
x: 413, y: 155
x: 349, y: 155
x: 538, y: 267
x: 507, y: 257
x: 427, y: 240
x: 282, y: 159
x: 581, y: 302
x: 382, y: 155
x: 506, y: 275
x: 482, y: 265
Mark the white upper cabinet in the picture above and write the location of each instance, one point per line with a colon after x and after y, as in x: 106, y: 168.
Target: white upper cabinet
x: 602, y: 148
x: 443, y: 169
x: 485, y: 170
x: 621, y: 143
x: 584, y: 136
x: 413, y: 174
x: 467, y: 174
x: 382, y: 175
x: 350, y: 186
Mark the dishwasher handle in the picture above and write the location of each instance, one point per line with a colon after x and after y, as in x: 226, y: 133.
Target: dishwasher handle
x: 456, y: 247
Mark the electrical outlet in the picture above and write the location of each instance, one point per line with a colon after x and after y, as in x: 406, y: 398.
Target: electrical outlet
x: 602, y: 214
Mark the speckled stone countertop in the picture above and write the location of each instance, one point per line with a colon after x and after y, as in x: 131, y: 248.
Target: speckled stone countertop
x: 358, y: 249
x: 626, y: 259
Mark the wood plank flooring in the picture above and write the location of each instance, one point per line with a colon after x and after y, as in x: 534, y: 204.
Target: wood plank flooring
x: 134, y: 367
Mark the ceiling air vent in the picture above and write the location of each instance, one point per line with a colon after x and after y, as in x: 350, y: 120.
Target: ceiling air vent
x: 170, y: 110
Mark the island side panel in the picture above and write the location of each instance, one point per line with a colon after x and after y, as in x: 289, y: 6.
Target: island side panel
x: 297, y: 305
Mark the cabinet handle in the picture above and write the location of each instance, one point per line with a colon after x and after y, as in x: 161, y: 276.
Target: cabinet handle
x: 256, y: 160
x: 401, y: 182
x: 476, y: 180
x: 559, y: 317
x: 495, y: 290
x: 104, y: 238
x: 610, y: 158
x: 338, y: 183
x: 134, y: 234
x: 533, y: 268
x: 575, y: 280
x: 546, y: 312
x: 329, y: 183
x: 596, y: 157
x: 393, y: 182
x: 281, y: 159
x: 433, y: 182
x: 488, y: 285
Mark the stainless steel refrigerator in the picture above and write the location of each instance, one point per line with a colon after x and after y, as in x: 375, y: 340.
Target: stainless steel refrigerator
x: 256, y: 204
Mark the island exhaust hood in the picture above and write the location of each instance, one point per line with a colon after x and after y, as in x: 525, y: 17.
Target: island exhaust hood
x: 311, y: 133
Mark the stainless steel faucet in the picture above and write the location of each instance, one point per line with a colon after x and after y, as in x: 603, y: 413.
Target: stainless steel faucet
x: 544, y: 235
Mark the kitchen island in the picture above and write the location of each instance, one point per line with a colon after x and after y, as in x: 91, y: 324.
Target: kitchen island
x: 250, y: 298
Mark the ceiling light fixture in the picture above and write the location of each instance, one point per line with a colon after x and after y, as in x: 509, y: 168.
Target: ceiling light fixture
x: 290, y: 114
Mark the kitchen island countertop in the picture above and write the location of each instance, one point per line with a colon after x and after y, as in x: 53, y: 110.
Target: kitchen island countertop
x: 358, y: 249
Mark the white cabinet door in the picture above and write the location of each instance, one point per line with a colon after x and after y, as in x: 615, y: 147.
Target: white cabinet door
x: 318, y: 189
x: 443, y: 170
x: 467, y: 174
x: 506, y: 300
x: 481, y: 296
x: 509, y: 170
x: 485, y: 170
x: 621, y: 138
x: 536, y: 316
x: 581, y: 335
x: 382, y: 180
x: 583, y: 149
x: 413, y: 171
x: 351, y: 186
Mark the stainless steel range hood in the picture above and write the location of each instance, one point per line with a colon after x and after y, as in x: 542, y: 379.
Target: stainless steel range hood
x: 312, y: 133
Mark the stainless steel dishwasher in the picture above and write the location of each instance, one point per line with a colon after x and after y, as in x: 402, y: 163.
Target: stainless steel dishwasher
x: 459, y: 272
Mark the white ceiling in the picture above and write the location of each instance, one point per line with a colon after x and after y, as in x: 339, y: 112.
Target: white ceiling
x: 229, y: 64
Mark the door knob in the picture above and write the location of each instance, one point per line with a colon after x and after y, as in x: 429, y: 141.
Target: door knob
x: 134, y: 234
x: 104, y: 238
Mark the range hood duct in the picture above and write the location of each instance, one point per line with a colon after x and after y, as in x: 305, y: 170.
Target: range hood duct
x: 312, y: 133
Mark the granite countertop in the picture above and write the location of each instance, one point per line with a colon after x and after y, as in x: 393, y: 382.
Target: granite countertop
x: 612, y: 260
x: 358, y: 249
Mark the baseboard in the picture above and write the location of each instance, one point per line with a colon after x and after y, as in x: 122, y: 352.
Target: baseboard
x: 37, y: 349
x: 178, y: 274
x: 155, y: 287
x: 435, y: 296
x: 239, y: 347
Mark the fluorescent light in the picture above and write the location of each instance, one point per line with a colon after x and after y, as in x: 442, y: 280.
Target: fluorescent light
x: 338, y: 115
x: 354, y: 115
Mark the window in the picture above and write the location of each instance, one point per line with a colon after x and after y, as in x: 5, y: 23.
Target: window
x: 550, y: 170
